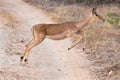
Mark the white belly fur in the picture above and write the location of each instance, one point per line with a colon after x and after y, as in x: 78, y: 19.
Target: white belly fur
x: 57, y: 37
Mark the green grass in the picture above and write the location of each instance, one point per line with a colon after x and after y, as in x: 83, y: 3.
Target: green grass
x: 113, y: 20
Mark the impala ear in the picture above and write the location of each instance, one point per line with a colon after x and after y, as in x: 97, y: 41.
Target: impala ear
x: 94, y: 10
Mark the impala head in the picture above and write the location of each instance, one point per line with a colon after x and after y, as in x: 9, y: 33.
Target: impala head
x: 96, y: 16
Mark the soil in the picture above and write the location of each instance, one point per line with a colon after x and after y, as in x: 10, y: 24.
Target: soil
x: 48, y: 61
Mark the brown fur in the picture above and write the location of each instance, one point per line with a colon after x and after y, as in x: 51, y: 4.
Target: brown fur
x: 59, y: 31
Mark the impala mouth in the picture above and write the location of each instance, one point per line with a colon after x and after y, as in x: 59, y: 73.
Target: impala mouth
x: 103, y: 20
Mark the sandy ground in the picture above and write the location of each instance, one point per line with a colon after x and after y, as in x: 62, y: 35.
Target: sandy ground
x: 48, y: 61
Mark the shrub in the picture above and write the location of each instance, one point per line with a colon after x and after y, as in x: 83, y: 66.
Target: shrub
x: 112, y: 19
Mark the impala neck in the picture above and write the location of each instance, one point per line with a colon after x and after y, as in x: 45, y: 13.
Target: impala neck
x: 81, y: 24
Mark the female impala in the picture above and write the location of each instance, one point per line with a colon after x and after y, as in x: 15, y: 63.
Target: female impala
x: 59, y: 32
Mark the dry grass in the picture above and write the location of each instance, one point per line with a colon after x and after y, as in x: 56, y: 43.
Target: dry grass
x: 101, y: 40
x: 8, y: 19
x: 11, y: 22
x: 63, y: 13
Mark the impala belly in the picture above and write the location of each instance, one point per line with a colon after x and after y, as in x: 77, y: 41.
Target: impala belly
x: 57, y: 36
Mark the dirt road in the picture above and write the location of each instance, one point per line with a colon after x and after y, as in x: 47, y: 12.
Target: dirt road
x: 48, y: 61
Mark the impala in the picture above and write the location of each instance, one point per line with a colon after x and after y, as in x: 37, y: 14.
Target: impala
x: 59, y: 32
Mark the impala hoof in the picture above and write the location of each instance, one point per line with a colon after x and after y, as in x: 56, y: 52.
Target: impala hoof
x: 69, y: 49
x: 83, y: 49
x: 26, y: 61
x: 21, y: 57
x: 25, y: 45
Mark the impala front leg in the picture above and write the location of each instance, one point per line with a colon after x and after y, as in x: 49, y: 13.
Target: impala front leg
x: 79, y: 39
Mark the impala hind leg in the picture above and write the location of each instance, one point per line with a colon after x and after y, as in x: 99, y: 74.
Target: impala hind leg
x: 79, y: 39
x: 22, y: 57
x: 38, y: 38
x: 29, y: 47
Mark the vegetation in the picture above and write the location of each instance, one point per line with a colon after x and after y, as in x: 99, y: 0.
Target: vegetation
x: 88, y: 2
x: 8, y: 19
x: 112, y: 19
x: 100, y: 40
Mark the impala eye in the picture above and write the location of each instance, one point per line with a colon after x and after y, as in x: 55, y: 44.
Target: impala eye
x: 96, y: 15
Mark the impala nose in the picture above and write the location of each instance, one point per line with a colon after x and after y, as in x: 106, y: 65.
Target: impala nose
x: 103, y: 20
